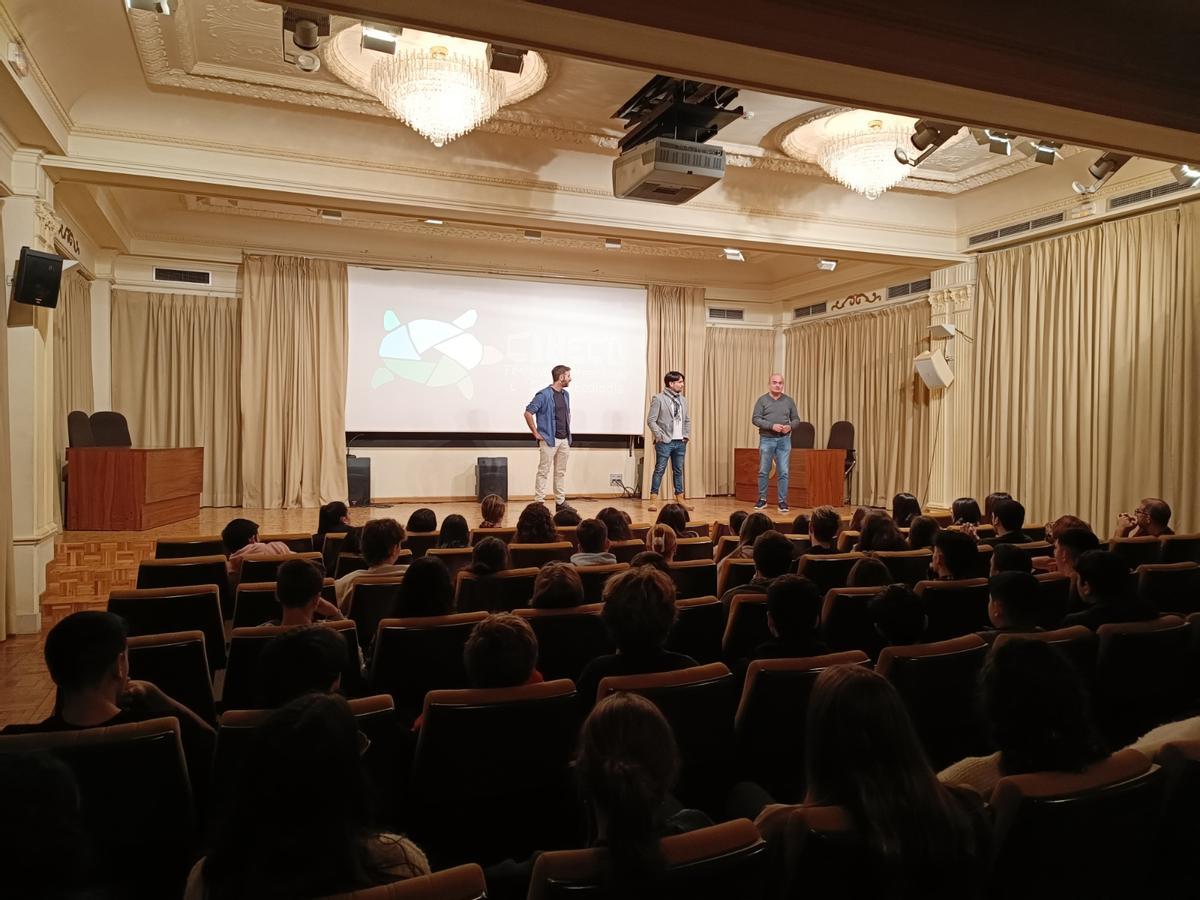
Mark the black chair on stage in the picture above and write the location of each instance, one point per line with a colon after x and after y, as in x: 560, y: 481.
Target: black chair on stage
x: 804, y: 436
x: 110, y: 429
x: 841, y: 437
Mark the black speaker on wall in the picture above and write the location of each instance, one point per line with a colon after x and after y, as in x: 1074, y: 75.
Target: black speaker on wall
x: 358, y: 479
x: 491, y: 476
x: 37, y: 278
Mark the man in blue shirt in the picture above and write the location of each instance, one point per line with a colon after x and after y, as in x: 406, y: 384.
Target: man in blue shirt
x: 548, y: 416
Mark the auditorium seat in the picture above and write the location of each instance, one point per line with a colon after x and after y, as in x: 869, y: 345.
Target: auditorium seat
x: 568, y: 639
x: 330, y: 548
x: 1077, y: 834
x: 801, y: 544
x: 263, y: 568
x: 745, y: 627
x: 505, y: 534
x: 535, y: 556
x: 1054, y: 598
x: 502, y: 592
x: 370, y: 600
x: 246, y: 647
x: 734, y: 573
x: 986, y: 532
x: 937, y: 683
x: 188, y: 571
x: 455, y: 559
x: 690, y: 548
x: 725, y: 545
x: 846, y: 623
x: 174, y: 548
x: 570, y: 534
x: 176, y: 664
x: 983, y: 562
x: 347, y: 563
x: 847, y: 540
x: 639, y: 530
x: 714, y: 863
x: 1180, y: 548
x: 954, y: 607
x: 415, y: 656
x: 1137, y: 551
x: 769, y: 725
x: 625, y: 551
x: 1141, y: 675
x: 299, y: 543
x: 418, y: 543
x: 595, y: 577
x: 167, y: 610
x: 906, y: 566
x: 465, y: 882
x: 1170, y: 587
x: 1179, y: 827
x: 1077, y: 642
x: 701, y: 529
x: 491, y: 775
x: 822, y: 854
x: 828, y: 570
x: 255, y: 603
x: 135, y: 801
x: 699, y: 624
x: 696, y: 578
x: 699, y: 703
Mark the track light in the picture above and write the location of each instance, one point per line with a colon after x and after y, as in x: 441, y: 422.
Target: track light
x: 733, y: 254
x: 303, y: 30
x: 1102, y: 169
x: 928, y: 135
x: 1041, y: 151
x: 379, y: 38
x: 1186, y: 173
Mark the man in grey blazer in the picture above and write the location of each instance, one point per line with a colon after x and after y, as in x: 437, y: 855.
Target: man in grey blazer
x: 671, y: 425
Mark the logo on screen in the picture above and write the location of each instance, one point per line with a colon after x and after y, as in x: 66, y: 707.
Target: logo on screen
x: 432, y: 353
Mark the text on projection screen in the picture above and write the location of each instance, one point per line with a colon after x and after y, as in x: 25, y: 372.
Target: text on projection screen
x: 456, y: 353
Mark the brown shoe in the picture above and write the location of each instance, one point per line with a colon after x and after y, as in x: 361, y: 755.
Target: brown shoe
x: 682, y: 501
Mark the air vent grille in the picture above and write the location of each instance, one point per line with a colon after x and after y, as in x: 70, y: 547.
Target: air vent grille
x: 1046, y: 220
x: 983, y: 237
x: 918, y: 287
x: 1015, y: 228
x: 187, y: 276
x: 912, y: 287
x: 715, y: 312
x: 803, y: 312
x: 1162, y: 190
x: 1010, y: 230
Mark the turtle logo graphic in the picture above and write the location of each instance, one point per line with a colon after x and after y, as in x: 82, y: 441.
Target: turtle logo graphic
x: 432, y: 353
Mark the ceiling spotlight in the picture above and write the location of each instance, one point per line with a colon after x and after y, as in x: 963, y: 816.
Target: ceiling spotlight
x: 734, y: 254
x: 331, y: 215
x: 928, y: 135
x: 997, y: 141
x: 433, y: 222
x: 1186, y: 173
x: 531, y: 235
x: 379, y: 39
x: 1041, y: 151
x: 308, y: 62
x: 1102, y: 169
x: 302, y: 33
x: 827, y: 265
x: 162, y: 7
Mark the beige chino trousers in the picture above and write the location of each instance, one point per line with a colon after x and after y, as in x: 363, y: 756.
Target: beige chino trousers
x: 552, y: 454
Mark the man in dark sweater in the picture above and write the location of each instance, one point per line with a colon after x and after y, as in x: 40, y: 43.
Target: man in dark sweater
x: 775, y: 416
x: 1008, y: 517
x: 1107, y: 589
x: 793, y: 611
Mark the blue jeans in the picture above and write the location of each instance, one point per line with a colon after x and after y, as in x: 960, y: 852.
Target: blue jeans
x: 779, y: 448
x: 664, y: 450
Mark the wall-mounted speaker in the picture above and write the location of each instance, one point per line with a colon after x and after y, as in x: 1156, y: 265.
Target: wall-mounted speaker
x: 934, y: 370
x: 37, y: 278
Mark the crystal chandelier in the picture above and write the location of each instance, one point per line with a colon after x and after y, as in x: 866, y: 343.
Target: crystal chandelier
x: 436, y: 93
x: 865, y: 161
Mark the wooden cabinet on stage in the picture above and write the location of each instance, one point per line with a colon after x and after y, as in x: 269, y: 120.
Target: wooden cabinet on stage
x: 132, y: 489
x: 815, y: 479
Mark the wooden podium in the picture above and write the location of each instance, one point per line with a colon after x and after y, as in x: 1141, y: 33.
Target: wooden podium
x: 132, y: 489
x: 815, y: 478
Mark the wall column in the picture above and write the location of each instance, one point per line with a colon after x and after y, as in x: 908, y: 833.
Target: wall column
x: 952, y: 296
x: 101, y: 300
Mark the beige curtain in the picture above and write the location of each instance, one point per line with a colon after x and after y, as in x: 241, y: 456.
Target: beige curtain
x: 737, y: 369
x: 8, y: 585
x: 72, y: 361
x: 176, y: 364
x: 1087, y: 369
x: 675, y: 341
x: 293, y: 381
x: 858, y: 367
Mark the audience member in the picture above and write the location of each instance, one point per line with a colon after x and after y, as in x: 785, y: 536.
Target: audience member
x: 567, y: 517
x: 772, y: 558
x: 823, y: 526
x: 869, y: 572
x: 491, y: 510
x: 298, y: 585
x: 860, y: 514
x: 905, y: 508
x: 333, y: 518
x: 502, y: 651
x: 736, y: 518
x: 879, y: 532
x: 1036, y: 707
x: 240, y: 539
x: 489, y: 556
x: 661, y: 539
x: 922, y: 532
x: 427, y: 590
x: 535, y: 526
x: 1061, y: 524
x: 965, y: 511
x: 800, y: 524
x: 955, y: 556
x: 652, y: 558
x: 639, y: 610
x: 793, y: 612
x: 593, y: 544
x: 1150, y: 519
x: 627, y: 763
x: 753, y: 525
x: 1008, y: 518
x: 1069, y: 545
x: 421, y: 521
x: 1106, y: 591
x: 616, y: 523
x: 455, y: 533
x: 898, y: 615
x: 675, y: 515
x: 1010, y: 558
x: 381, y: 546
x: 304, y: 660
x: 557, y: 586
x: 1013, y: 604
x: 300, y: 819
x: 990, y: 501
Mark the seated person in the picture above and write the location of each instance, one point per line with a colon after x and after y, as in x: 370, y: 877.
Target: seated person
x: 661, y: 539
x: 955, y: 556
x: 898, y: 615
x: 922, y: 531
x: 426, y: 590
x: 800, y: 524
x: 965, y: 511
x: 381, y: 546
x: 489, y: 556
x: 333, y: 518
x: 240, y: 539
x: 1008, y: 518
x: 566, y: 517
x: 1011, y: 558
x: 753, y: 525
x: 1061, y: 524
x: 502, y: 651
x: 879, y: 532
x: 651, y: 558
x: 298, y: 585
x: 1106, y: 591
x: 303, y: 788
x: 675, y: 515
x: 421, y: 521
x: 869, y: 572
x: 1035, y: 705
x: 593, y: 544
x: 616, y: 522
x: 535, y: 526
x: 1013, y: 604
x: 793, y: 613
x: 1150, y: 519
x: 639, y: 610
x: 772, y: 558
x: 1069, y: 545
x: 454, y: 534
x: 736, y: 518
x: 557, y: 586
x: 492, y: 509
x: 905, y: 508
x: 823, y: 527
x: 306, y: 660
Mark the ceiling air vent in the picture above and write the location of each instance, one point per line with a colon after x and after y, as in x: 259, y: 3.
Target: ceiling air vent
x: 1016, y: 228
x: 803, y: 312
x: 919, y: 287
x: 1046, y: 220
x: 1010, y: 230
x: 187, y: 276
x: 1154, y: 193
x: 715, y: 312
x: 983, y: 237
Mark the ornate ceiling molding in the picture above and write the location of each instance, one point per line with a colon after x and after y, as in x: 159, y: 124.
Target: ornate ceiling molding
x: 60, y: 111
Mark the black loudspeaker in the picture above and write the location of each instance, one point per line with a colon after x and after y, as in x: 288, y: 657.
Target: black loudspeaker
x: 491, y: 476
x: 358, y: 479
x: 37, y: 278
